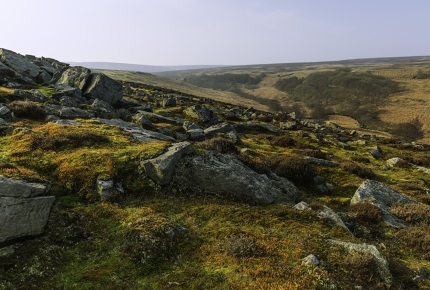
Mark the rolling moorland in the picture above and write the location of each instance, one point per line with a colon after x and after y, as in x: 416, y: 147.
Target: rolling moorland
x: 125, y: 180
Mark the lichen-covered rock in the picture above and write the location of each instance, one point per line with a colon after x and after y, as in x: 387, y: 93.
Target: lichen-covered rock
x: 381, y: 196
x: 143, y: 121
x: 102, y: 87
x: 224, y: 175
x: 75, y: 77
x: 366, y: 249
x: 202, y: 114
x: 225, y: 128
x: 161, y: 168
x: 376, y: 152
x: 310, y: 260
x: 19, y: 63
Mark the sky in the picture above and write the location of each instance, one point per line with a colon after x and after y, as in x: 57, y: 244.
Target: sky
x: 215, y: 32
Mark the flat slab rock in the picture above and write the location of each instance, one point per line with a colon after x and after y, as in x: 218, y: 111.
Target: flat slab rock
x: 225, y: 175
x: 381, y: 196
x: 23, y: 211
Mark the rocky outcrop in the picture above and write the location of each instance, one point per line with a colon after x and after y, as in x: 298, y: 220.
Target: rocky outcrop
x: 23, y: 209
x: 381, y: 196
x: 75, y: 77
x: 161, y: 168
x: 73, y: 113
x: 202, y: 114
x: 102, y: 87
x: 103, y: 109
x: 224, y: 175
x: 226, y: 129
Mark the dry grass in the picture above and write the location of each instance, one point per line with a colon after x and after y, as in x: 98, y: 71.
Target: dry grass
x: 354, y: 168
x: 27, y: 109
x: 414, y: 213
x: 219, y: 144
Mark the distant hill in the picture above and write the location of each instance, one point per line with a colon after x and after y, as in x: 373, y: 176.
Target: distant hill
x: 140, y: 67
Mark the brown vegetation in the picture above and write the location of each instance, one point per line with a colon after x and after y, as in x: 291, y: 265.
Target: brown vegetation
x: 27, y: 109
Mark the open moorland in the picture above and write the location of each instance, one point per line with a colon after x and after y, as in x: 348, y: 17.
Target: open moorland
x: 148, y: 183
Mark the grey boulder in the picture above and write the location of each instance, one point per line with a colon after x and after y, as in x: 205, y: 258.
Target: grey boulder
x: 381, y: 196
x: 162, y: 167
x: 103, y: 109
x: 224, y: 175
x: 100, y: 86
x: 75, y: 77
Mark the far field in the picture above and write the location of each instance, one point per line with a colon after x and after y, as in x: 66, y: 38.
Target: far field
x: 259, y: 91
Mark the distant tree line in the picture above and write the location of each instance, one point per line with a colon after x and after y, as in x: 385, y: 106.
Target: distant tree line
x: 356, y: 94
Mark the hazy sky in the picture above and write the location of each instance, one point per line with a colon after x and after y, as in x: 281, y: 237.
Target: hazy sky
x: 221, y: 32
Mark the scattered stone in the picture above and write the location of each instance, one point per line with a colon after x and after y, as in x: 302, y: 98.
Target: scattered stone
x: 190, y: 125
x: 225, y: 128
x: 376, y: 152
x: 196, y: 135
x: 333, y: 126
x: 5, y: 113
x: 143, y: 121
x: 168, y: 102
x: 310, y: 260
x: 203, y: 114
x: 381, y: 196
x: 344, y: 145
x: 382, y: 263
x: 161, y: 168
x: 155, y: 118
x: 108, y: 189
x: 302, y: 206
x: 290, y: 125
x: 67, y: 101
x: 321, y: 161
x: 359, y: 142
x: 320, y: 184
x: 332, y: 218
x: 393, y: 161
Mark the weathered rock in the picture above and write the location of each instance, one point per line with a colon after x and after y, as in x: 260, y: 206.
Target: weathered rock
x: 33, y: 95
x: 20, y: 64
x: 196, y: 135
x: 381, y: 196
x: 21, y: 217
x: 332, y: 218
x: 102, y: 87
x: 165, y: 131
x: 103, y: 109
x: 67, y: 91
x: 137, y: 132
x: 255, y: 128
x: 290, y: 125
x: 302, y: 206
x: 203, y: 114
x: 376, y: 152
x: 5, y: 113
x: 22, y: 211
x: 75, y: 77
x: 168, y: 102
x: 73, y: 113
x: 108, y: 189
x: 320, y: 184
x: 228, y: 130
x: 333, y: 126
x: 344, y: 145
x: 143, y: 121
x: 162, y: 167
x: 2, y: 122
x: 124, y: 114
x: 310, y: 260
x: 321, y: 161
x: 67, y: 101
x: 146, y: 108
x: 190, y: 125
x: 366, y: 249
x: 16, y: 188
x: 224, y: 175
x: 392, y: 162
x: 155, y: 118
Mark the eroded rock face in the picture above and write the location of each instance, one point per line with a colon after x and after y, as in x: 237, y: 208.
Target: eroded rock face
x: 102, y: 87
x: 224, y: 175
x: 19, y: 63
x: 75, y: 77
x: 381, y: 196
x: 161, y: 168
x: 23, y: 211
